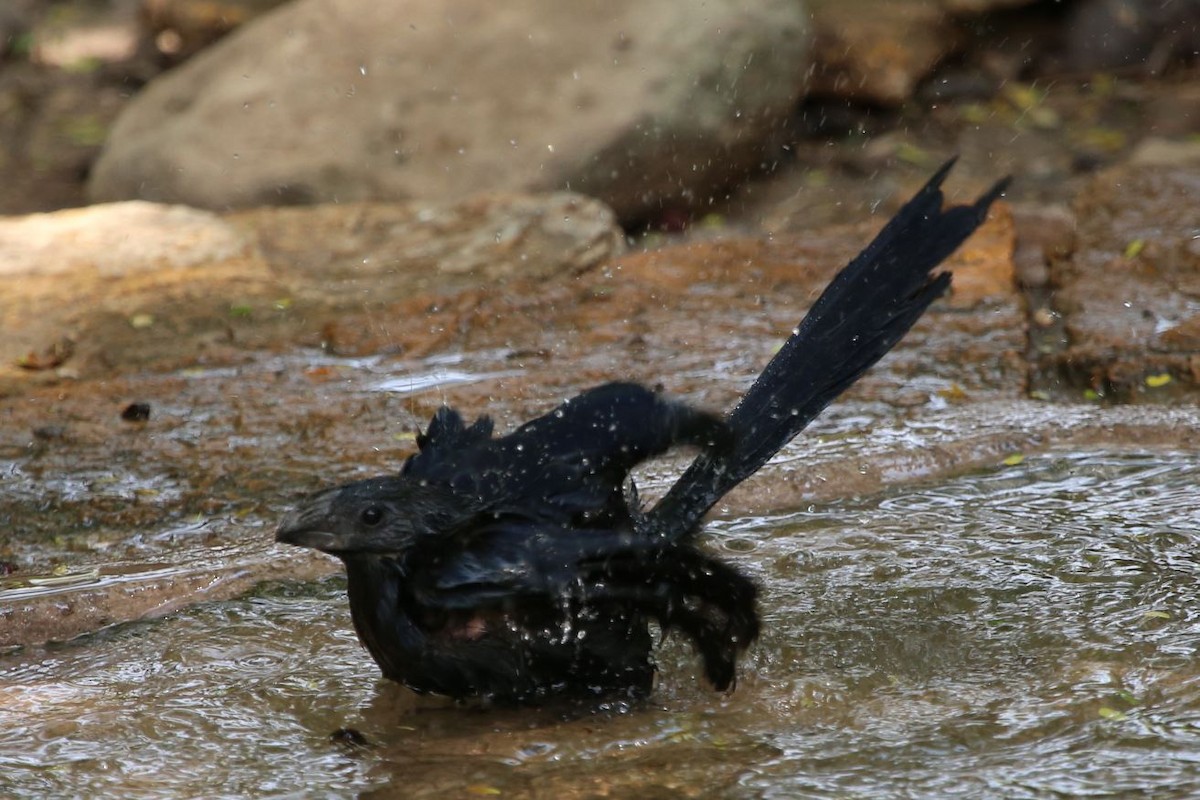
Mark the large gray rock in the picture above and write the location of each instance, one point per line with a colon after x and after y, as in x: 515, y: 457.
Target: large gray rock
x: 641, y: 104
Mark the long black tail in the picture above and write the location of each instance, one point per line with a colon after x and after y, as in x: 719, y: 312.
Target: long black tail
x: 862, y: 314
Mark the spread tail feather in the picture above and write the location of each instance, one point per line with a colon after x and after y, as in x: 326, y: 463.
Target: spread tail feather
x: 861, y: 315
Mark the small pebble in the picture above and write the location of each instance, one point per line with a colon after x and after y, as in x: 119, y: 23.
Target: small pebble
x: 1044, y: 317
x: 349, y: 737
x: 136, y: 412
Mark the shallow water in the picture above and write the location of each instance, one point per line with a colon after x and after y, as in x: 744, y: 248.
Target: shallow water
x: 1029, y: 631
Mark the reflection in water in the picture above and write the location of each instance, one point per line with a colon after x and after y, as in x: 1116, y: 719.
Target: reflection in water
x: 1029, y: 631
x: 414, y: 383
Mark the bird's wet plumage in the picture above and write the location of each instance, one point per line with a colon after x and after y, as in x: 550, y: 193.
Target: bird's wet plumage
x: 522, y: 566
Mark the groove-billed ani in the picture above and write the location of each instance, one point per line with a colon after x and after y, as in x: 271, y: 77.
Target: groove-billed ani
x: 521, y: 567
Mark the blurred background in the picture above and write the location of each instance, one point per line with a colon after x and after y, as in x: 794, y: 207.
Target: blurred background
x: 770, y: 115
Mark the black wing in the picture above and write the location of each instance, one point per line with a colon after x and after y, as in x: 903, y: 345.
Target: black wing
x: 570, y: 464
x: 585, y: 588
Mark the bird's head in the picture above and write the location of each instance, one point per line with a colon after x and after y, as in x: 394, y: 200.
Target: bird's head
x: 377, y: 515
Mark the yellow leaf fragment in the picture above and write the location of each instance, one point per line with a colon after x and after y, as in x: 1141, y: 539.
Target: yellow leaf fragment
x: 1108, y: 140
x: 954, y: 393
x: 974, y: 113
x: 911, y: 154
x: 1023, y: 96
x: 62, y: 576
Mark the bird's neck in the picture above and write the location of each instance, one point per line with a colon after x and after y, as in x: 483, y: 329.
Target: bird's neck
x: 375, y: 585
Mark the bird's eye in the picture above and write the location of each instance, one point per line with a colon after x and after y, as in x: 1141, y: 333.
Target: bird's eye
x: 371, y: 515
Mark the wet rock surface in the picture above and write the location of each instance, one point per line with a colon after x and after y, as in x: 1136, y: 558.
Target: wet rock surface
x: 118, y: 286
x: 1129, y: 292
x: 238, y: 431
x: 129, y: 506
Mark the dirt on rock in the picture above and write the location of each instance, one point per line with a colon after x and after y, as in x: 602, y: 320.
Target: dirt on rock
x: 1129, y: 295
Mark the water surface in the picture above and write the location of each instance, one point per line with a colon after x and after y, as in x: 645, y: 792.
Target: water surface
x: 1027, y: 631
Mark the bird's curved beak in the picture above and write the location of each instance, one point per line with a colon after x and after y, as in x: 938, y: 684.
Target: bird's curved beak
x: 305, y: 526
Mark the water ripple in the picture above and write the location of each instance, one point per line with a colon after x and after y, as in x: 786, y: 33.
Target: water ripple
x: 1029, y: 631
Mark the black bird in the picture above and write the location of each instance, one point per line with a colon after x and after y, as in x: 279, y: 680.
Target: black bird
x: 523, y: 567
